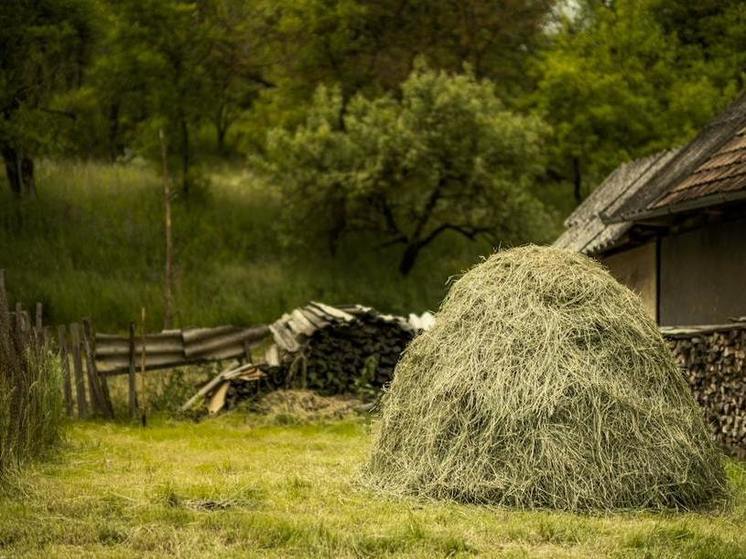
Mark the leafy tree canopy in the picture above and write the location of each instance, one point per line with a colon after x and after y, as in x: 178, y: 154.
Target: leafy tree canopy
x: 44, y: 45
x: 626, y: 78
x: 444, y: 155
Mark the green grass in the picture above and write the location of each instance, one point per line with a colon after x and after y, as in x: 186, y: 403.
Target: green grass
x: 91, y: 245
x: 238, y: 487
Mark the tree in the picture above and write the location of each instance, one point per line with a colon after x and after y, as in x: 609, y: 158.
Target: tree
x: 626, y: 78
x: 237, y: 62
x: 176, y: 65
x: 164, y: 45
x: 446, y: 156
x: 44, y: 46
x: 371, y: 47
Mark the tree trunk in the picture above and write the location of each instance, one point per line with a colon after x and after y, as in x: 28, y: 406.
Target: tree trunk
x: 221, y: 129
x: 577, y: 180
x: 185, y: 156
x: 168, y: 294
x: 114, y: 147
x: 27, y: 176
x: 409, y: 258
x: 338, y: 206
x: 19, y: 169
x: 13, y: 170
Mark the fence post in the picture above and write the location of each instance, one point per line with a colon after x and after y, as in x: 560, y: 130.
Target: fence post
x: 143, y: 361
x: 131, y: 373
x: 78, y: 368
x: 65, y: 369
x: 5, y: 317
x: 20, y: 329
x: 99, y: 388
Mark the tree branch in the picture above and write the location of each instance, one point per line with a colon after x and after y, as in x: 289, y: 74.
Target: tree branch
x: 469, y: 232
x: 429, y: 207
x: 69, y: 114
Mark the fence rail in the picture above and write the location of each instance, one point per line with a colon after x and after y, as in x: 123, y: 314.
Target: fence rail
x: 174, y: 348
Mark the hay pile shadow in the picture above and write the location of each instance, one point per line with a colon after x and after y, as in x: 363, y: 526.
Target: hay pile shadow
x: 544, y: 385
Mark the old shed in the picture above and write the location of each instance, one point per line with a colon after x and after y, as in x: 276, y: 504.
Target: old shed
x: 672, y: 226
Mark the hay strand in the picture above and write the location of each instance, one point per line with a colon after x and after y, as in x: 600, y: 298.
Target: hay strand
x: 544, y: 385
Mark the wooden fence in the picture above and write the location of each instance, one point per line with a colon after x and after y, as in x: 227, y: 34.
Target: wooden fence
x: 89, y: 358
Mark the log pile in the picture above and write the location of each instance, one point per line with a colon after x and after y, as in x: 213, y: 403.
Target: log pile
x: 349, y: 356
x: 332, y: 350
x: 713, y: 360
x: 337, y: 350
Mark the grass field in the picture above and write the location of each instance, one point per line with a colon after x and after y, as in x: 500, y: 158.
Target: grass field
x: 92, y: 245
x: 243, y: 486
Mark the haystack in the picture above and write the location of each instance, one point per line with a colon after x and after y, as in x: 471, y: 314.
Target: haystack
x: 544, y: 385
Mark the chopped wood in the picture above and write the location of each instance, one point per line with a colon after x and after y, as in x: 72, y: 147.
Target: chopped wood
x: 217, y: 401
x: 713, y: 362
x: 220, y: 377
x: 272, y: 356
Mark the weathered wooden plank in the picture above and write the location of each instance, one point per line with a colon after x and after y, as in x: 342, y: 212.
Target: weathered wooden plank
x: 132, y: 378
x: 333, y: 312
x: 80, y: 397
x: 99, y: 392
x: 65, y: 360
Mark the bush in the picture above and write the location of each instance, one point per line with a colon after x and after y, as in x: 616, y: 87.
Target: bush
x: 31, y: 406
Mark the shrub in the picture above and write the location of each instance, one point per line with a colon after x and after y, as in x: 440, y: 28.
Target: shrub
x: 31, y: 406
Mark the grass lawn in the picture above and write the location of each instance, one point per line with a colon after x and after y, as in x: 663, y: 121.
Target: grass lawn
x: 92, y: 245
x: 239, y: 486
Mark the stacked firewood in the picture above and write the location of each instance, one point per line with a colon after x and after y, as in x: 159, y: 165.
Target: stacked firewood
x: 714, y: 364
x: 332, y: 350
x: 336, y: 350
x: 351, y: 355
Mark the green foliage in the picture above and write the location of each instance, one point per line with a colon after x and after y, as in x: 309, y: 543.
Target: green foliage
x: 372, y: 46
x: 44, y: 46
x: 446, y: 156
x: 174, y: 65
x: 99, y: 78
x: 631, y: 77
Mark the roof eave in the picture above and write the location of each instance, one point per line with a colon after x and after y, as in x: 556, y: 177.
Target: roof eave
x: 685, y: 206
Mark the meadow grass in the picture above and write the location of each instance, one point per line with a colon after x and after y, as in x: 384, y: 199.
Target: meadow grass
x: 92, y: 245
x: 241, y: 486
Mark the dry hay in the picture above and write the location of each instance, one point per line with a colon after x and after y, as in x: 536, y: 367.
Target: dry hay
x: 544, y: 385
x: 301, y: 406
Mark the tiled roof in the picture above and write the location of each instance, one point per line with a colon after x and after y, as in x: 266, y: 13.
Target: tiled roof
x: 724, y: 171
x: 706, y: 171
x: 586, y: 231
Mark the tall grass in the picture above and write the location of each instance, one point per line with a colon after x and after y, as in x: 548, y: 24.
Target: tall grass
x: 91, y: 245
x: 31, y: 407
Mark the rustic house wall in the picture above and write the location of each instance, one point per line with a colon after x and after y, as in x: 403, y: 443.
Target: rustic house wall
x: 703, y: 275
x: 637, y: 269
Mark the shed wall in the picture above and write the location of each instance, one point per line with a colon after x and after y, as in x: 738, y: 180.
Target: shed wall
x: 636, y: 268
x: 703, y: 275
